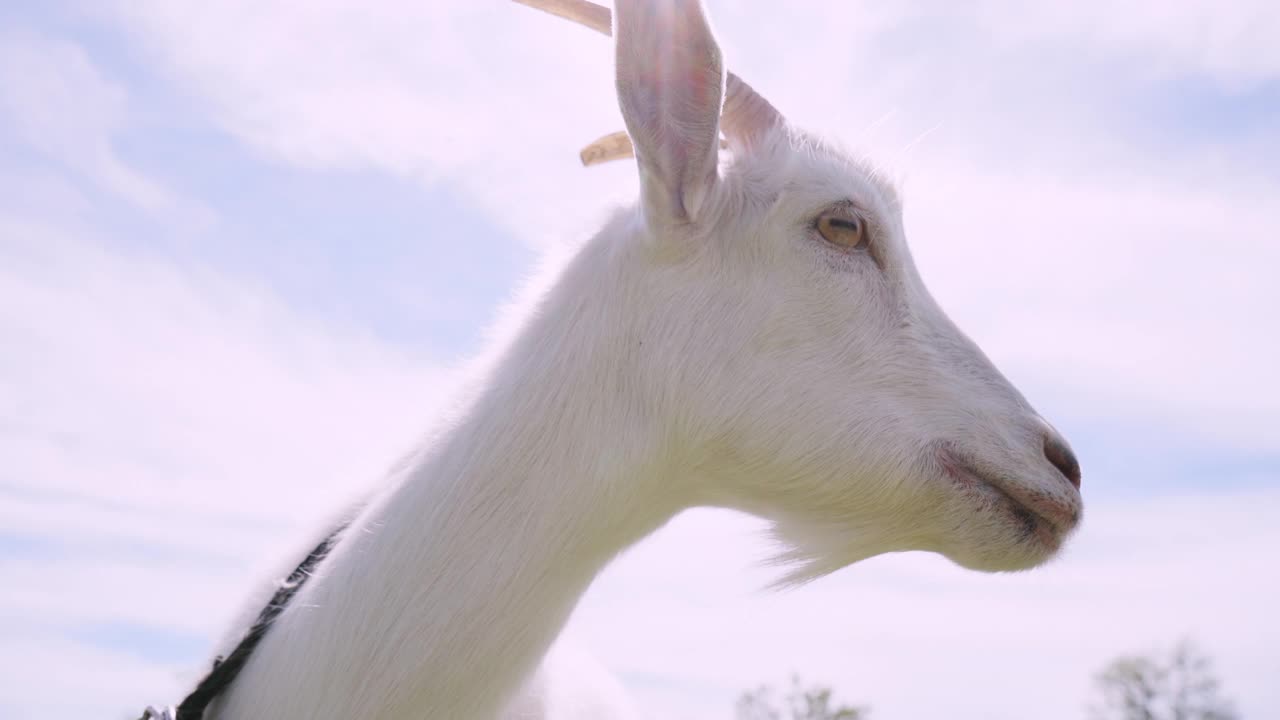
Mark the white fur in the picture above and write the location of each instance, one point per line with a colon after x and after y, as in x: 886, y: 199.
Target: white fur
x: 706, y: 347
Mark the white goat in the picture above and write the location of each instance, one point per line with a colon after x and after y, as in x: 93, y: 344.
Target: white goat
x: 750, y: 335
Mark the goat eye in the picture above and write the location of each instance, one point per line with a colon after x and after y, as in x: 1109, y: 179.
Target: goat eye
x: 847, y: 232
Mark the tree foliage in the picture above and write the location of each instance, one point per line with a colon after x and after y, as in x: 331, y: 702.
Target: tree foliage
x: 1181, y: 686
x: 800, y: 703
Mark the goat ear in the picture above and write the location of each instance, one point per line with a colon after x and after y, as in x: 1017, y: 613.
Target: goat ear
x: 670, y: 80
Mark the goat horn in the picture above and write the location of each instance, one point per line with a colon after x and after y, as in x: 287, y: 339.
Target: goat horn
x: 614, y: 146
x: 745, y: 116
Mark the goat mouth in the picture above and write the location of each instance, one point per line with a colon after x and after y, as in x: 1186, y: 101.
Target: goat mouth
x: 1036, y: 520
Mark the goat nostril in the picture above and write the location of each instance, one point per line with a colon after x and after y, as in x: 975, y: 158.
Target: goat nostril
x: 1057, y: 452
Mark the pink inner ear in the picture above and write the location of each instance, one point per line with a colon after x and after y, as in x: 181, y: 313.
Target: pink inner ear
x: 745, y: 117
x: 670, y: 85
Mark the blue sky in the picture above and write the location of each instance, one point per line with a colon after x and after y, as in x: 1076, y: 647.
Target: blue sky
x: 245, y: 251
x: 351, y: 261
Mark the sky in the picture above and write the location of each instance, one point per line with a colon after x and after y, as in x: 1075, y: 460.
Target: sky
x: 247, y: 248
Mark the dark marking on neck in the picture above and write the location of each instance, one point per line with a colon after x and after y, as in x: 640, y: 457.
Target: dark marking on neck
x: 226, y: 669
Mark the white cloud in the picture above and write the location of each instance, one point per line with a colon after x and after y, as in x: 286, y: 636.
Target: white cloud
x: 494, y: 99
x: 1232, y: 42
x: 914, y: 636
x: 1143, y: 296
x: 170, y: 435
x: 1087, y: 260
x: 151, y: 406
x: 59, y: 103
x: 102, y: 342
x: 47, y: 677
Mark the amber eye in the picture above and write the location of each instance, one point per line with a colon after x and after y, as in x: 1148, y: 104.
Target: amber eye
x: 842, y: 230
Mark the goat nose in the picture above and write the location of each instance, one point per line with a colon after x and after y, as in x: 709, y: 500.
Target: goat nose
x: 1059, y: 453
